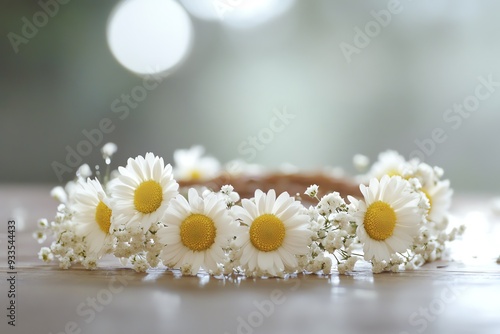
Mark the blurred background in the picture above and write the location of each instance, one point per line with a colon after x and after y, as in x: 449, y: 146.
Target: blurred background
x: 309, y: 83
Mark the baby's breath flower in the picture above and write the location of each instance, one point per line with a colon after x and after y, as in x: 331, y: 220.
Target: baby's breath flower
x: 153, y: 259
x: 409, y: 266
x: 396, y: 259
x: 84, y: 172
x: 67, y: 237
x: 312, y: 191
x: 329, y: 203
x: 234, y: 197
x: 227, y: 189
x: 90, y: 263
x: 351, y: 262
x: 45, y: 254
x: 327, y: 266
x: 61, y: 208
x: 39, y: 236
x: 379, y: 266
x: 395, y: 268
x: 59, y: 194
x: 186, y: 269
x: 342, y: 268
x: 108, y: 150
x: 64, y: 262
x: 228, y: 194
x: 139, y: 262
x: 57, y: 248
x: 43, y: 223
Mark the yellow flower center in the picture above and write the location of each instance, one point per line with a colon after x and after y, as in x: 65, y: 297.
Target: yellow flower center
x: 267, y: 233
x: 198, y: 232
x: 380, y: 220
x: 393, y: 172
x: 195, y: 175
x: 148, y: 196
x: 103, y: 216
x: 429, y: 197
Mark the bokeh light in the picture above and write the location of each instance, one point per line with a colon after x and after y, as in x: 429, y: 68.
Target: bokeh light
x: 237, y: 13
x: 201, y: 9
x: 149, y: 36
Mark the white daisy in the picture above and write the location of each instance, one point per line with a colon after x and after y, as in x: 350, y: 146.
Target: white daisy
x: 197, y: 232
x: 389, y: 218
x: 389, y: 163
x: 142, y: 191
x: 92, y: 216
x: 437, y: 192
x: 274, y: 231
x: 191, y: 165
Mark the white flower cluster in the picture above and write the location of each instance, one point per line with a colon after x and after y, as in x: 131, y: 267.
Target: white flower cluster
x: 67, y: 247
x: 400, y: 223
x: 334, y: 233
x: 138, y: 215
x: 433, y: 201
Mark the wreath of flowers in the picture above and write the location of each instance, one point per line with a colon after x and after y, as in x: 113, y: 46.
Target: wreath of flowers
x: 140, y: 215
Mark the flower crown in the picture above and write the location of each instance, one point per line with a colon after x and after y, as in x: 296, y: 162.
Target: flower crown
x: 143, y: 215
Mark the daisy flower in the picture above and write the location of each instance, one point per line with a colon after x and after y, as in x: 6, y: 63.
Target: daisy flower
x: 274, y: 231
x: 389, y: 217
x: 192, y: 165
x: 197, y: 232
x: 437, y: 192
x: 389, y: 163
x: 92, y: 216
x: 143, y: 190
